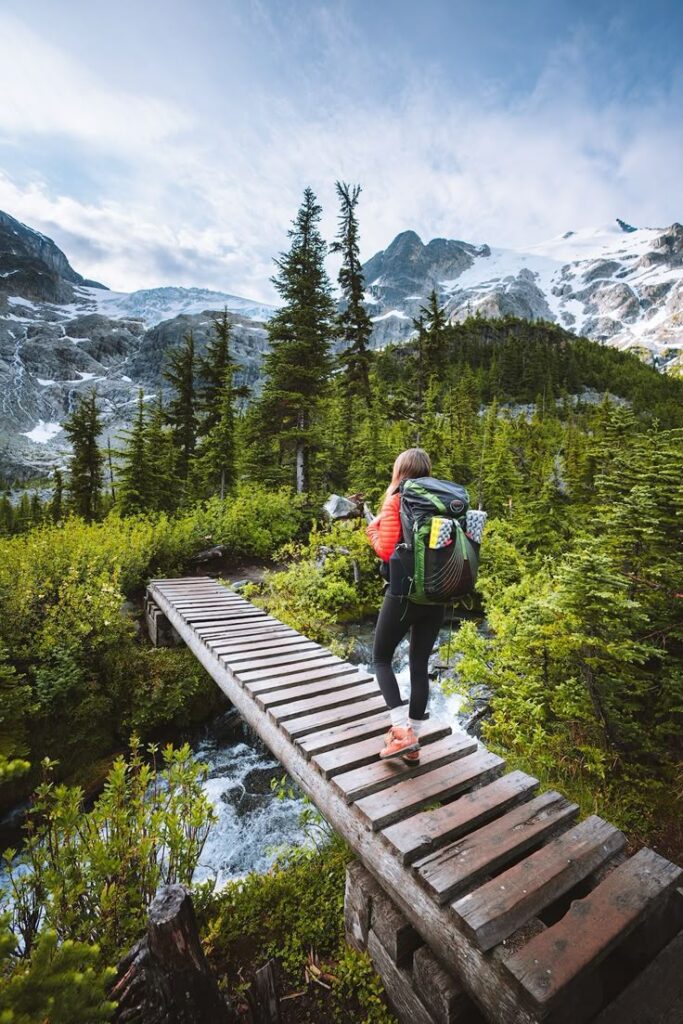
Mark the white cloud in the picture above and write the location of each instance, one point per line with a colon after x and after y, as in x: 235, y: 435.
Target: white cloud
x: 197, y: 201
x: 45, y: 92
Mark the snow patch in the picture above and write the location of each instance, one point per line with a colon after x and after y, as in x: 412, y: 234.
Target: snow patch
x: 45, y: 383
x: 43, y: 432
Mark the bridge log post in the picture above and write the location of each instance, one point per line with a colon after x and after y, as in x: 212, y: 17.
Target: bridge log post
x: 161, y: 632
x: 418, y: 988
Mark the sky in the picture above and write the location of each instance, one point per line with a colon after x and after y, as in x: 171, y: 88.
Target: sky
x: 168, y: 142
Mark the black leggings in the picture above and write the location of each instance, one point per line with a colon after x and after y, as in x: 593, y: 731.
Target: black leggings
x: 397, y: 616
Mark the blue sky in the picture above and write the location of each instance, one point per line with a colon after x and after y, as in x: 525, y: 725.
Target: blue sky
x: 169, y: 142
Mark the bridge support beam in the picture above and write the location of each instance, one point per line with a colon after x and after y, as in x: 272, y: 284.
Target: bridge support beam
x: 418, y: 988
x: 161, y: 632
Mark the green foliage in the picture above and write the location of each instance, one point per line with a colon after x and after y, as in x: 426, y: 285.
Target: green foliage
x: 320, y: 587
x: 82, y: 428
x: 90, y: 877
x: 74, y: 677
x: 358, y: 990
x: 286, y: 428
x: 61, y: 983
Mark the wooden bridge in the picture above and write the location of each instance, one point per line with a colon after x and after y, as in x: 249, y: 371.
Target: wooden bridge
x: 540, y: 917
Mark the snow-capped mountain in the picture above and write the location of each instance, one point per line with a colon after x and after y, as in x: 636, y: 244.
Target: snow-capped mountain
x: 61, y: 335
x: 618, y: 284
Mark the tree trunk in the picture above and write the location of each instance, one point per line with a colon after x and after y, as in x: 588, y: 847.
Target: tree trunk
x: 165, y: 978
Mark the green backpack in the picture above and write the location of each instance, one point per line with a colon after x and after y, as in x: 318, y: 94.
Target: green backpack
x: 437, y: 562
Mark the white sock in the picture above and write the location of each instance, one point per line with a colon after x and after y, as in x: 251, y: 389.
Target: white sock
x: 416, y: 725
x: 399, y: 715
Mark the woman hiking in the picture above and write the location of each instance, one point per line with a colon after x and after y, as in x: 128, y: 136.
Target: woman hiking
x: 397, y: 616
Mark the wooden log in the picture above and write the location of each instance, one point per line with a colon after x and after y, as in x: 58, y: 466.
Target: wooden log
x: 361, y: 782
x: 592, y: 927
x: 374, y: 724
x: 273, y: 698
x: 483, y: 974
x: 501, y: 906
x: 356, y: 690
x: 441, y: 992
x: 359, y: 892
x: 404, y: 799
x: 330, y: 664
x: 398, y: 986
x: 458, y: 865
x: 366, y: 751
x: 262, y: 996
x: 308, y: 673
x: 397, y: 936
x: 246, y: 647
x: 427, y: 831
x: 296, y: 727
x: 165, y: 979
x: 264, y: 651
x: 285, y: 662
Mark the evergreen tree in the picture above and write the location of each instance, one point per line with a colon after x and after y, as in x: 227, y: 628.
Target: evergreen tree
x: 298, y: 365
x: 355, y: 325
x: 134, y: 476
x: 57, y: 503
x: 218, y: 451
x: 435, y: 352
x: 160, y: 458
x: 83, y: 427
x: 213, y: 366
x: 23, y: 516
x: 182, y: 408
x: 6, y: 516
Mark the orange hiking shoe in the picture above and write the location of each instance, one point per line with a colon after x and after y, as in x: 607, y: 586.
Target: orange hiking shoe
x: 399, y: 740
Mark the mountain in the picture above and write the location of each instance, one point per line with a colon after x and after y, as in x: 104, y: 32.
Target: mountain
x: 61, y: 334
x: 619, y: 285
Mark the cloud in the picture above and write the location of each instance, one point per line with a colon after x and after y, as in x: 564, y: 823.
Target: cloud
x: 45, y: 92
x: 193, y: 199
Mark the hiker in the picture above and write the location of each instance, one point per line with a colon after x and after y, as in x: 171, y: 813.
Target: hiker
x: 398, y: 615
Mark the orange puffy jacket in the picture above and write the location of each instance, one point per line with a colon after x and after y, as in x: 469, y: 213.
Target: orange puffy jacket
x: 385, y: 529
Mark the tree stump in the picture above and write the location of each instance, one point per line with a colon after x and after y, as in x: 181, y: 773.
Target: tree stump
x: 165, y: 978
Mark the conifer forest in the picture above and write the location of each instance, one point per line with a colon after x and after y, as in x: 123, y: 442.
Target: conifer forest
x: 573, y: 640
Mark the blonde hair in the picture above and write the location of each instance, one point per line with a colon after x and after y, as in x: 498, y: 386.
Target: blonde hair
x: 412, y: 463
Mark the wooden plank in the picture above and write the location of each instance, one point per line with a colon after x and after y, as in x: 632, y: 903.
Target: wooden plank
x: 427, y: 831
x: 324, y: 667
x: 593, y: 926
x: 374, y: 724
x: 458, y: 865
x: 272, y: 698
x: 381, y: 809
x: 313, y: 723
x: 205, y: 618
x: 270, y: 663
x: 356, y: 690
x: 235, y: 656
x: 366, y: 751
x: 480, y: 973
x: 398, y: 985
x: 248, y: 646
x: 361, y: 782
x: 505, y: 903
x: 237, y: 630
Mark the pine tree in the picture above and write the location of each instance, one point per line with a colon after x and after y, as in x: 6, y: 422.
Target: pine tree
x: 6, y: 516
x: 83, y: 427
x: 435, y: 351
x: 57, y: 503
x: 355, y: 325
x: 298, y: 364
x: 182, y: 408
x: 218, y: 450
x: 213, y: 366
x: 160, y: 457
x: 134, y: 477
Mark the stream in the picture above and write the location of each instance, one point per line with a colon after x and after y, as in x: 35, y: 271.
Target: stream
x: 254, y: 825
